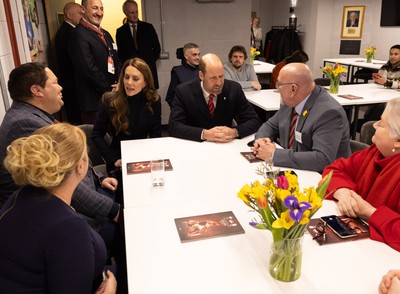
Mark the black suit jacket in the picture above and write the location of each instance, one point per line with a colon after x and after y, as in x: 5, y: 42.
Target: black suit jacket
x: 65, y: 72
x: 90, y: 59
x: 147, y: 40
x: 190, y: 115
x: 348, y: 24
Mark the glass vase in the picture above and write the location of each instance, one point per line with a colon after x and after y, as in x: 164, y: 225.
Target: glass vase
x: 369, y: 58
x: 251, y: 60
x: 334, y: 86
x: 285, y: 259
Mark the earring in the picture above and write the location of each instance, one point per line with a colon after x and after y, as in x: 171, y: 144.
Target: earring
x: 394, y: 150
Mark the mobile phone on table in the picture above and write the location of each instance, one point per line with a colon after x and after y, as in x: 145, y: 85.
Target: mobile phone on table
x: 338, y: 226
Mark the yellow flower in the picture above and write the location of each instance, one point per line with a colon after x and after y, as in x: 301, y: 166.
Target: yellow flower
x: 254, y: 52
x: 370, y: 51
x: 285, y: 221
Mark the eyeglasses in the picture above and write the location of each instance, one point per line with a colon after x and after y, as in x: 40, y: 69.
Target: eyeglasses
x: 321, y: 231
x: 277, y: 85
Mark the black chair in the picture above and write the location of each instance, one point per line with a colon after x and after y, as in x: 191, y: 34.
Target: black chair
x: 93, y: 152
x: 367, y: 131
x: 364, y: 74
x: 357, y: 146
x: 322, y: 82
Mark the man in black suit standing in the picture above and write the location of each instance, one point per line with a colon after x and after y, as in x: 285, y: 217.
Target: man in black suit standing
x: 206, y: 108
x: 72, y: 16
x: 94, y: 56
x: 138, y: 39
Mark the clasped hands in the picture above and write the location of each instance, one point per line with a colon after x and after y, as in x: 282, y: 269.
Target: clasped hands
x: 263, y: 148
x: 352, y: 204
x: 220, y: 134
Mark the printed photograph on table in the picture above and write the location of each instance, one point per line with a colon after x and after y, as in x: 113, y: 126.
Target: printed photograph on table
x: 140, y: 167
x: 352, y: 22
x: 208, y: 226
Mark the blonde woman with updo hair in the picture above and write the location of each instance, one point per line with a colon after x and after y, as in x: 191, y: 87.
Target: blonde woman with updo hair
x: 132, y: 112
x: 45, y: 246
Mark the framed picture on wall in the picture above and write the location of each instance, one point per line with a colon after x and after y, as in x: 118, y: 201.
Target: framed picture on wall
x: 352, y: 22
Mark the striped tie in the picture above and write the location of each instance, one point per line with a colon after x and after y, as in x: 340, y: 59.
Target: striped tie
x: 292, y: 128
x: 211, y: 104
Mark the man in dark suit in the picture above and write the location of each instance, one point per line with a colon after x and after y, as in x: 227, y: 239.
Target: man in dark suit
x: 72, y: 16
x: 94, y: 56
x: 318, y: 136
x: 206, y: 108
x: 352, y: 21
x: 138, y: 39
x: 189, y: 70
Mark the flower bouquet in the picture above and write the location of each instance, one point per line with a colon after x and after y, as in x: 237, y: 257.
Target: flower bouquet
x: 334, y: 74
x: 285, y: 211
x: 253, y: 53
x: 370, y: 53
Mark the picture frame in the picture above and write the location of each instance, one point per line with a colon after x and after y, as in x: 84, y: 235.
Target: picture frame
x: 352, y: 22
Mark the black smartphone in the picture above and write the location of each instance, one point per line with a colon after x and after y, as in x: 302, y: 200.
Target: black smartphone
x: 338, y: 226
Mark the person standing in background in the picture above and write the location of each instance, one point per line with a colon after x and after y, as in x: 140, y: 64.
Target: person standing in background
x: 94, y: 56
x: 256, y: 34
x: 73, y: 13
x: 137, y: 38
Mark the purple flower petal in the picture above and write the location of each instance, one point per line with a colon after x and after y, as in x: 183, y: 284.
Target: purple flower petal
x: 253, y: 224
x: 296, y: 214
x: 291, y: 202
x: 303, y: 206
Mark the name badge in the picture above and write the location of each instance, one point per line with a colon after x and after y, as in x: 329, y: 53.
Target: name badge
x: 297, y: 136
x: 111, y: 67
x: 115, y: 46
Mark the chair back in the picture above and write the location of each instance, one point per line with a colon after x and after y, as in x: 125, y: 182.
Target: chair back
x: 357, y: 146
x: 367, y: 131
x: 93, y: 152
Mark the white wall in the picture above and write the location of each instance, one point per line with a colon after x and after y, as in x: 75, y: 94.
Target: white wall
x: 6, y: 59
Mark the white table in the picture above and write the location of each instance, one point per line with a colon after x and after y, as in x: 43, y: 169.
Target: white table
x: 353, y: 64
x: 159, y: 263
x: 200, y: 170
x: 372, y: 93
x: 261, y: 67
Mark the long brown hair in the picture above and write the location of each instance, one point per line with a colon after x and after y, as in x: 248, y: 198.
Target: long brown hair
x: 118, y: 102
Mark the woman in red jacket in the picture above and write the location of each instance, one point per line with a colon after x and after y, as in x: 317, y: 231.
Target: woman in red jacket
x: 367, y: 184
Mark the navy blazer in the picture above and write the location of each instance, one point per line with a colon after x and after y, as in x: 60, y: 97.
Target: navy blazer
x: 90, y: 58
x: 190, y: 115
x: 21, y: 120
x: 147, y: 40
x: 324, y: 130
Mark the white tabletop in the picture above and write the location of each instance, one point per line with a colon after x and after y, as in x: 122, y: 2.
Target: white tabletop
x: 200, y: 170
x: 159, y: 263
x: 261, y: 67
x: 372, y: 93
x: 357, y: 62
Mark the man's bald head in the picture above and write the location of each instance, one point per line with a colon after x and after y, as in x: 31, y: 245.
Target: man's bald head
x: 296, y: 83
x: 73, y: 13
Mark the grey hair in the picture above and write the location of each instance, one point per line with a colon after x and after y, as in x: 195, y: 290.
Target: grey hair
x: 392, y: 112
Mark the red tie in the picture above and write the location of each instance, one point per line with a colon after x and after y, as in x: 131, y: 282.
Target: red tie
x: 292, y: 128
x: 211, y: 104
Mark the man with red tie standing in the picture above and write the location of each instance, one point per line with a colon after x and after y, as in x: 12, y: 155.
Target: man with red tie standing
x: 312, y: 126
x: 138, y: 39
